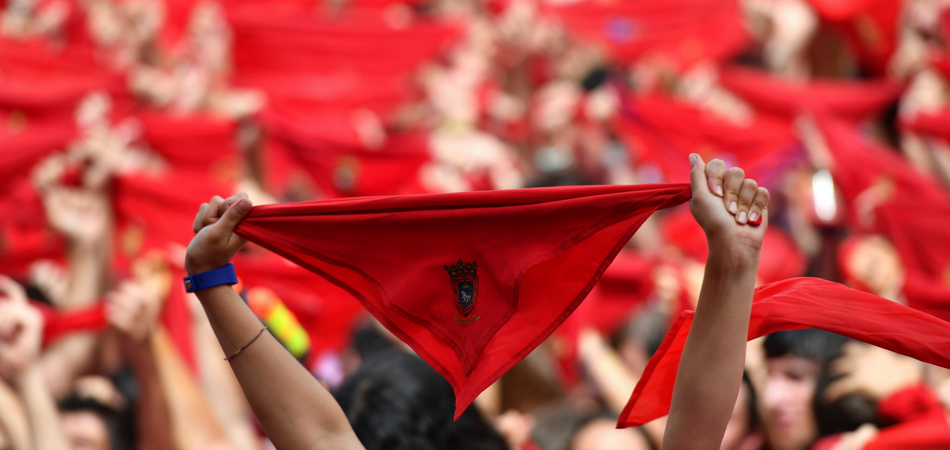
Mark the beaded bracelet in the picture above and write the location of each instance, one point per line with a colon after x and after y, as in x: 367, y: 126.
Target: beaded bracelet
x: 259, y: 333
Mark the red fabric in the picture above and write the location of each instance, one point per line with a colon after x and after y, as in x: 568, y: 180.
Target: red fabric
x: 933, y: 124
x: 161, y: 206
x: 58, y: 324
x: 193, y: 143
x: 682, y: 31
x: 879, y: 164
x: 780, y: 259
x: 664, y: 132
x: 41, y: 81
x: 789, y: 98
x: 792, y: 304
x: 922, y: 240
x: 21, y: 149
x: 911, y: 404
x: 916, y: 409
x: 347, y: 171
x: 537, y: 252
x: 870, y: 27
x: 278, y: 40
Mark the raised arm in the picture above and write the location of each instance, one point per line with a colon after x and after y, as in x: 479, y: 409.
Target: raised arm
x: 726, y: 205
x: 293, y: 408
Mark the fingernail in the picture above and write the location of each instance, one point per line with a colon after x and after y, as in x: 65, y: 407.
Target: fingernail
x: 753, y: 216
x: 742, y: 217
x: 692, y: 159
x: 733, y: 208
x: 243, y: 205
x: 719, y: 190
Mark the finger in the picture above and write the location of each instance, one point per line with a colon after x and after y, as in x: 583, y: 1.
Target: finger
x: 233, y: 216
x: 697, y: 174
x: 731, y: 183
x: 215, y: 208
x: 715, y: 170
x: 234, y: 198
x: 12, y: 290
x: 746, y: 195
x: 199, y: 218
x: 759, y: 204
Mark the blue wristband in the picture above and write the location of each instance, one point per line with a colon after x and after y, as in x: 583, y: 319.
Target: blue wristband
x: 211, y: 278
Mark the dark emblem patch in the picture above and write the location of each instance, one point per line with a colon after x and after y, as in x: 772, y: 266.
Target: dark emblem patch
x: 464, y: 285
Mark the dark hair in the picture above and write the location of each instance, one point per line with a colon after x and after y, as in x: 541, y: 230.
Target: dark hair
x: 557, y: 427
x: 809, y: 343
x: 823, y: 347
x: 118, y: 426
x: 395, y: 401
x: 842, y: 415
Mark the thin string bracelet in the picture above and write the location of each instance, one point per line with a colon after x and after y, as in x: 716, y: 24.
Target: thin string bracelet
x: 259, y: 333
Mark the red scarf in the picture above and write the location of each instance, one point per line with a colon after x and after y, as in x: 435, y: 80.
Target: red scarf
x: 471, y: 281
x: 793, y: 304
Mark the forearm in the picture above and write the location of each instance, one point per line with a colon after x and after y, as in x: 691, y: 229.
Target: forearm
x: 292, y: 407
x: 221, y: 388
x: 193, y: 425
x: 152, y: 414
x: 710, y: 372
x: 13, y: 418
x: 41, y: 410
x: 87, y: 273
x: 614, y: 379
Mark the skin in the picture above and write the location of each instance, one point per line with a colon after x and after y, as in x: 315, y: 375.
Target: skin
x: 710, y: 372
x: 602, y: 434
x: 297, y: 412
x: 787, y: 402
x: 85, y: 431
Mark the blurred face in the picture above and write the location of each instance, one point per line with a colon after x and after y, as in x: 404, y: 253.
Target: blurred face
x: 85, y: 431
x: 787, y: 402
x: 602, y: 434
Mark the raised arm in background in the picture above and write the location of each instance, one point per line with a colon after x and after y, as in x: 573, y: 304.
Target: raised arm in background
x: 726, y: 205
x: 21, y: 328
x: 293, y: 408
x: 83, y: 217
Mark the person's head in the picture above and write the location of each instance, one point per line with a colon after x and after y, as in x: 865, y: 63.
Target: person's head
x: 565, y: 428
x: 872, y: 263
x: 794, y: 362
x: 395, y: 401
x: 90, y: 425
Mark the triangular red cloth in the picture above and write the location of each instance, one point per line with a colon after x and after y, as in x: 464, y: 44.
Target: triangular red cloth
x: 682, y: 32
x: 771, y: 94
x: 793, y: 304
x: 471, y: 281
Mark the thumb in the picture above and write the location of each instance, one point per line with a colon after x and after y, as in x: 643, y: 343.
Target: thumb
x: 233, y: 216
x: 697, y: 174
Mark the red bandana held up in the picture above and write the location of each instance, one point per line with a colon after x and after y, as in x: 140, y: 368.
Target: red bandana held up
x: 471, y: 281
x: 793, y: 304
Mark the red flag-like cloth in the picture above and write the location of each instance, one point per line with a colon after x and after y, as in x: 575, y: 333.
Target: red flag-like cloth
x: 471, y: 281
x: 682, y: 31
x: 793, y: 304
x: 935, y: 124
x: 789, y: 98
x: 663, y: 132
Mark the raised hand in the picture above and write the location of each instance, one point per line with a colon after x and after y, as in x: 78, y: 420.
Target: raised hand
x: 871, y: 371
x: 81, y: 215
x: 731, y: 209
x: 21, y: 330
x: 215, y: 242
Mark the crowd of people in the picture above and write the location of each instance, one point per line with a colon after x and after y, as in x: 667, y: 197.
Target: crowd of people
x: 119, y: 118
